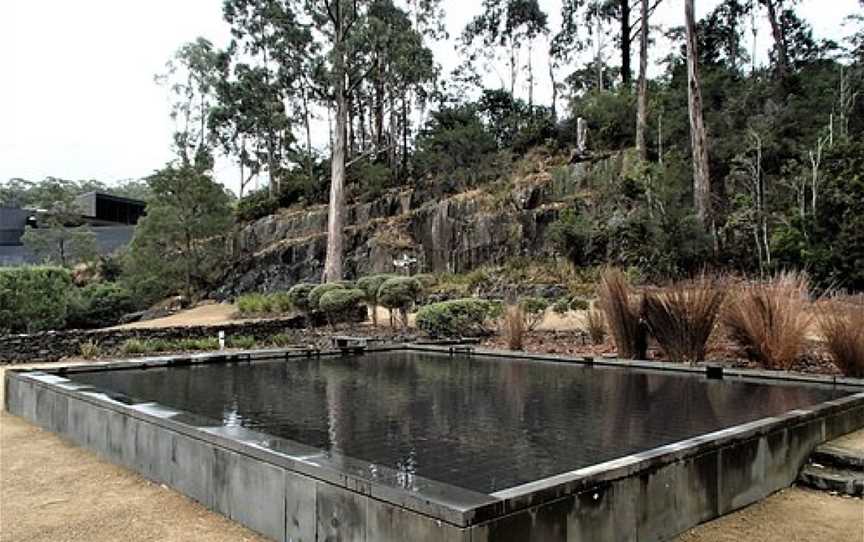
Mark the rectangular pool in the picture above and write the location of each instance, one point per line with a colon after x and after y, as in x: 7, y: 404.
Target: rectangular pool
x: 421, y: 444
x: 479, y: 423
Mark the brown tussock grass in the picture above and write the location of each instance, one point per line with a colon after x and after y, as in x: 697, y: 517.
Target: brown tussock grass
x: 623, y: 315
x: 769, y: 320
x: 842, y: 326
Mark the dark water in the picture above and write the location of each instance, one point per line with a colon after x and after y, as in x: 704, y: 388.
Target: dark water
x: 476, y: 423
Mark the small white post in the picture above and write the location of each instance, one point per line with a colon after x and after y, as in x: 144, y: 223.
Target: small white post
x: 221, y: 340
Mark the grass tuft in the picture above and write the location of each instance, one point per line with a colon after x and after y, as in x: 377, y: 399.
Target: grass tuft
x: 515, y: 324
x: 768, y: 320
x: 595, y: 326
x: 623, y: 316
x: 842, y: 326
x: 682, y: 317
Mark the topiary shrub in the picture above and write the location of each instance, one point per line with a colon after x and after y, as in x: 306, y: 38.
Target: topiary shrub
x: 298, y: 296
x: 340, y: 300
x: 321, y: 289
x: 533, y: 309
x: 455, y: 318
x: 100, y: 304
x: 400, y: 294
x: 370, y: 285
x: 34, y: 298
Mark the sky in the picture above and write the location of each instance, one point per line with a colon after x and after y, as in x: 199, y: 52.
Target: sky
x: 77, y: 94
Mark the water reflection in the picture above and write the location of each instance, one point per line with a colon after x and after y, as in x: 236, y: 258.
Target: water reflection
x: 476, y: 423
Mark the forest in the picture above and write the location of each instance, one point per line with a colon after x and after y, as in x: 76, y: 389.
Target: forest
x: 732, y: 164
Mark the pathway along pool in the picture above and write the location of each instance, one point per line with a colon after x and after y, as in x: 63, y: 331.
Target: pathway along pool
x: 477, y: 423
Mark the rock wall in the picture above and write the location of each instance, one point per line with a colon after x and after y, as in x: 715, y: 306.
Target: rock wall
x: 455, y: 234
x: 56, y: 345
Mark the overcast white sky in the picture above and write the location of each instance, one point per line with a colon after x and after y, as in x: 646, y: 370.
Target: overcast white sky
x: 77, y: 97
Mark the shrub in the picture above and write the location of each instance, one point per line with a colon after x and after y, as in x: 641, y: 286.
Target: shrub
x: 515, y: 319
x: 370, y: 286
x: 427, y: 280
x: 135, y: 346
x: 241, y: 341
x: 34, y: 298
x: 595, y: 326
x: 90, y: 350
x: 623, y: 315
x: 282, y: 340
x: 249, y: 304
x: 682, y: 317
x: 533, y: 310
x: 204, y: 343
x: 399, y: 293
x: 563, y: 305
x: 455, y: 318
x: 281, y: 302
x: 769, y: 320
x: 340, y: 300
x: 298, y: 296
x: 842, y: 326
x: 99, y: 305
x: 316, y: 293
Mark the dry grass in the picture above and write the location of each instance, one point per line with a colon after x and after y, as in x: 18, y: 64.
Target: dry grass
x: 514, y: 327
x: 623, y: 316
x: 842, y: 326
x: 769, y: 320
x: 595, y: 326
x: 682, y: 317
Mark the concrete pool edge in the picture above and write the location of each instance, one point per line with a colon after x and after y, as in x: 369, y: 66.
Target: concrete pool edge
x: 696, y: 479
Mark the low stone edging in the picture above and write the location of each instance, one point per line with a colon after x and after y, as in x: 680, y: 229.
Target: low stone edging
x: 56, y: 345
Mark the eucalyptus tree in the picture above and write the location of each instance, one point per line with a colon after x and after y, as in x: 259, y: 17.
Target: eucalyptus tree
x: 506, y: 24
x: 192, y: 76
x: 698, y: 136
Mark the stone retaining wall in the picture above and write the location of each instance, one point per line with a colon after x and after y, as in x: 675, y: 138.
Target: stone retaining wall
x: 56, y: 345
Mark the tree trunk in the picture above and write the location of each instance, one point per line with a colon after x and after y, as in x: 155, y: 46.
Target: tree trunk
x: 309, y: 162
x: 554, y: 90
x: 698, y: 136
x: 642, y: 102
x: 336, y: 211
x: 626, y: 71
x: 530, y: 76
x: 779, y: 35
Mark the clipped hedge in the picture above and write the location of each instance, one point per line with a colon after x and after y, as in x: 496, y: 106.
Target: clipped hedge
x: 340, y: 300
x: 399, y: 292
x: 34, y: 298
x: 298, y: 296
x: 456, y: 318
x: 320, y: 290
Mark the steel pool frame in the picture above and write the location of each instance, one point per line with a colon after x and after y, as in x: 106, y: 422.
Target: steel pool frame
x: 289, y: 491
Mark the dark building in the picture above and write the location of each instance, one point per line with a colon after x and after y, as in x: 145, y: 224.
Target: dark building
x: 111, y: 218
x: 100, y: 209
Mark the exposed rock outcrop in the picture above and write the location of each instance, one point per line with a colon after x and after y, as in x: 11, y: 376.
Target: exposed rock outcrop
x: 454, y: 234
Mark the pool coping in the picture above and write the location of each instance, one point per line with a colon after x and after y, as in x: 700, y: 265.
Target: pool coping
x: 456, y: 506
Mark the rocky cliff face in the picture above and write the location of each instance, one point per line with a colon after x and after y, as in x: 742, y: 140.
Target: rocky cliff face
x: 455, y: 234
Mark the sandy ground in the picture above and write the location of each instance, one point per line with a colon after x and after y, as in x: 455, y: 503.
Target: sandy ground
x: 51, y: 490
x: 204, y: 315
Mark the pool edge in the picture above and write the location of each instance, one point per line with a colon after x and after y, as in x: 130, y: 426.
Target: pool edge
x: 629, y: 498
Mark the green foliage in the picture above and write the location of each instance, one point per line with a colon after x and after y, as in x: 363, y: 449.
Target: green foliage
x: 370, y: 285
x: 178, y: 247
x: 295, y: 187
x: 100, y: 304
x: 243, y: 342
x: 565, y: 304
x: 249, y: 304
x: 59, y: 245
x: 298, y: 296
x: 455, y: 318
x: 399, y: 292
x: 340, y: 301
x: 533, y: 309
x: 34, y: 298
x: 134, y: 347
x: 282, y: 340
x: 319, y: 290
x: 90, y: 350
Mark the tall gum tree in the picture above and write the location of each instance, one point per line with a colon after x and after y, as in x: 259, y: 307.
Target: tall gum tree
x: 698, y: 136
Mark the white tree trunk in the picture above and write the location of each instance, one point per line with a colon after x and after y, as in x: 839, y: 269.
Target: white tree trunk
x: 698, y: 137
x: 642, y: 103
